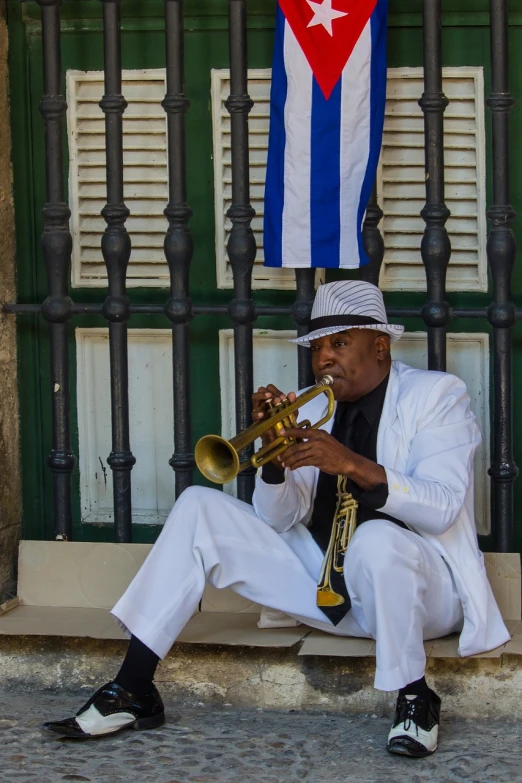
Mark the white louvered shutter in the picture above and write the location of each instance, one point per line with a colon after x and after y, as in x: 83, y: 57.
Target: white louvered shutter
x: 145, y: 176
x: 401, y: 189
x: 401, y: 186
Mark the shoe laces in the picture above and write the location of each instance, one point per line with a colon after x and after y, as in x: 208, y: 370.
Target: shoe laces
x: 408, y: 713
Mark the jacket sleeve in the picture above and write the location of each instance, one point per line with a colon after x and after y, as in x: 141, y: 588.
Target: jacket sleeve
x: 429, y: 496
x: 283, y: 505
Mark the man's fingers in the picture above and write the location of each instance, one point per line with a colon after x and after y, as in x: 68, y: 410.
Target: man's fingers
x: 302, y: 433
x: 261, y: 396
x: 275, y: 391
x: 259, y: 401
x: 303, y: 461
x: 266, y: 394
x: 297, y: 448
x: 294, y: 454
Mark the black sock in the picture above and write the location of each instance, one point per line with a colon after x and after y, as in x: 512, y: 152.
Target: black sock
x: 417, y: 688
x: 138, y: 668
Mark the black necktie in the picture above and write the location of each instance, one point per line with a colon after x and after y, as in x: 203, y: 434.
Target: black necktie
x: 345, y: 429
x: 344, y: 432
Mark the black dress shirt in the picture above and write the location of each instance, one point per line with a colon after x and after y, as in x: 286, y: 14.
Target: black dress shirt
x: 363, y: 441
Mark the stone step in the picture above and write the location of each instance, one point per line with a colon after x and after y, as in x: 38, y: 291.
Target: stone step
x: 59, y: 634
x: 271, y: 677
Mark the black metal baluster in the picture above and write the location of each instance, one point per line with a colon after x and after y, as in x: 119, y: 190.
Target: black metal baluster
x: 241, y: 246
x: 301, y: 310
x: 501, y: 251
x: 57, y: 248
x: 116, y: 249
x: 178, y: 245
x: 373, y: 241
x: 435, y: 246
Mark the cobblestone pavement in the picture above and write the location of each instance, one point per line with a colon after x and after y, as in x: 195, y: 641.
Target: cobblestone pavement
x: 208, y: 745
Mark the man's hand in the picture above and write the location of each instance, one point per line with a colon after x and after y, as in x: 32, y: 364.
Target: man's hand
x: 320, y: 450
x: 260, y: 398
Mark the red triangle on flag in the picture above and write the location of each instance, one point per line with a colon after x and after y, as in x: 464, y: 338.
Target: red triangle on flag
x: 327, y: 31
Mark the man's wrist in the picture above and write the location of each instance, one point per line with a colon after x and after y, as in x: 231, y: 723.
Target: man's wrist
x: 273, y: 473
x: 349, y: 467
x: 368, y: 475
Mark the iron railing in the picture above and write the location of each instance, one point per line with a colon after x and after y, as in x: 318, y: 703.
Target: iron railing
x: 435, y: 250
x: 116, y: 250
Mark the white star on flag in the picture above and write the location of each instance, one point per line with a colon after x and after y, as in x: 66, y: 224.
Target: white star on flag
x: 324, y: 14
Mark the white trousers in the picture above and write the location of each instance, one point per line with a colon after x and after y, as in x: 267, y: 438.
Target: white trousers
x: 401, y: 589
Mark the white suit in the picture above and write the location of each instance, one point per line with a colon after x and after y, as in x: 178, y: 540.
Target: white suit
x: 405, y: 585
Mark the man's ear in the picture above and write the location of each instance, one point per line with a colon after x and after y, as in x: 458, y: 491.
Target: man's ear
x: 382, y: 347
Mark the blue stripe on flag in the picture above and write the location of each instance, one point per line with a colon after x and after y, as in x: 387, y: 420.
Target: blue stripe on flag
x: 275, y: 174
x: 378, y: 22
x: 325, y: 180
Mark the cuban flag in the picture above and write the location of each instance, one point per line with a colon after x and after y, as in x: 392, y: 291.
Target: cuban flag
x: 326, y: 120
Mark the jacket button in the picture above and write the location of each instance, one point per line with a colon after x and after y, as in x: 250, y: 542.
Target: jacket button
x: 396, y: 486
x: 405, y: 489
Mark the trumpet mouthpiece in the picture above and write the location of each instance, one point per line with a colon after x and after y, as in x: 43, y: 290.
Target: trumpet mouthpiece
x: 327, y: 380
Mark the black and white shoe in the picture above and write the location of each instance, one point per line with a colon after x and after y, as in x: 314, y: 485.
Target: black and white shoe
x: 110, y: 710
x: 415, y: 728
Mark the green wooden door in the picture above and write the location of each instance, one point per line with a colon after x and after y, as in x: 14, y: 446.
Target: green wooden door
x: 465, y: 43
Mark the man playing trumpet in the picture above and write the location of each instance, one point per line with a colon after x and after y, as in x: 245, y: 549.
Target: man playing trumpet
x: 392, y: 471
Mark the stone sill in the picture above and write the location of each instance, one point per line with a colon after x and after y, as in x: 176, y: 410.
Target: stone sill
x: 223, y: 628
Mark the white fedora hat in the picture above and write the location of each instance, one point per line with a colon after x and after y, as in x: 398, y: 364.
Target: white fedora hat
x: 348, y: 304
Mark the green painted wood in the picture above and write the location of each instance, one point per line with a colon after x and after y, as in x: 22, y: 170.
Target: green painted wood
x: 28, y: 338
x: 465, y: 42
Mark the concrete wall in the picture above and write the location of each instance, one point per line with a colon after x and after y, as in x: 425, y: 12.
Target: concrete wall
x: 10, y: 491
x: 269, y: 678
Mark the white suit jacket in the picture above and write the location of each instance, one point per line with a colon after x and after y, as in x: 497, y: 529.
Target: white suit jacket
x: 426, y: 442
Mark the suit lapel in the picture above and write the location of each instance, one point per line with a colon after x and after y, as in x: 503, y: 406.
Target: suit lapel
x: 388, y: 435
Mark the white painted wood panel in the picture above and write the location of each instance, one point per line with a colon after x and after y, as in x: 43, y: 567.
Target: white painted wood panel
x: 151, y: 424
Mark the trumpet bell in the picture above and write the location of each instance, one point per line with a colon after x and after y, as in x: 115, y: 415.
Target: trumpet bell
x: 217, y: 459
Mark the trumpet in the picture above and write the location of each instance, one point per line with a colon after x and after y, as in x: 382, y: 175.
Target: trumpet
x: 218, y: 459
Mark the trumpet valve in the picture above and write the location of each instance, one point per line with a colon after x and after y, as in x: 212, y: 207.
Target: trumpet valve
x: 278, y: 426
x: 292, y: 420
